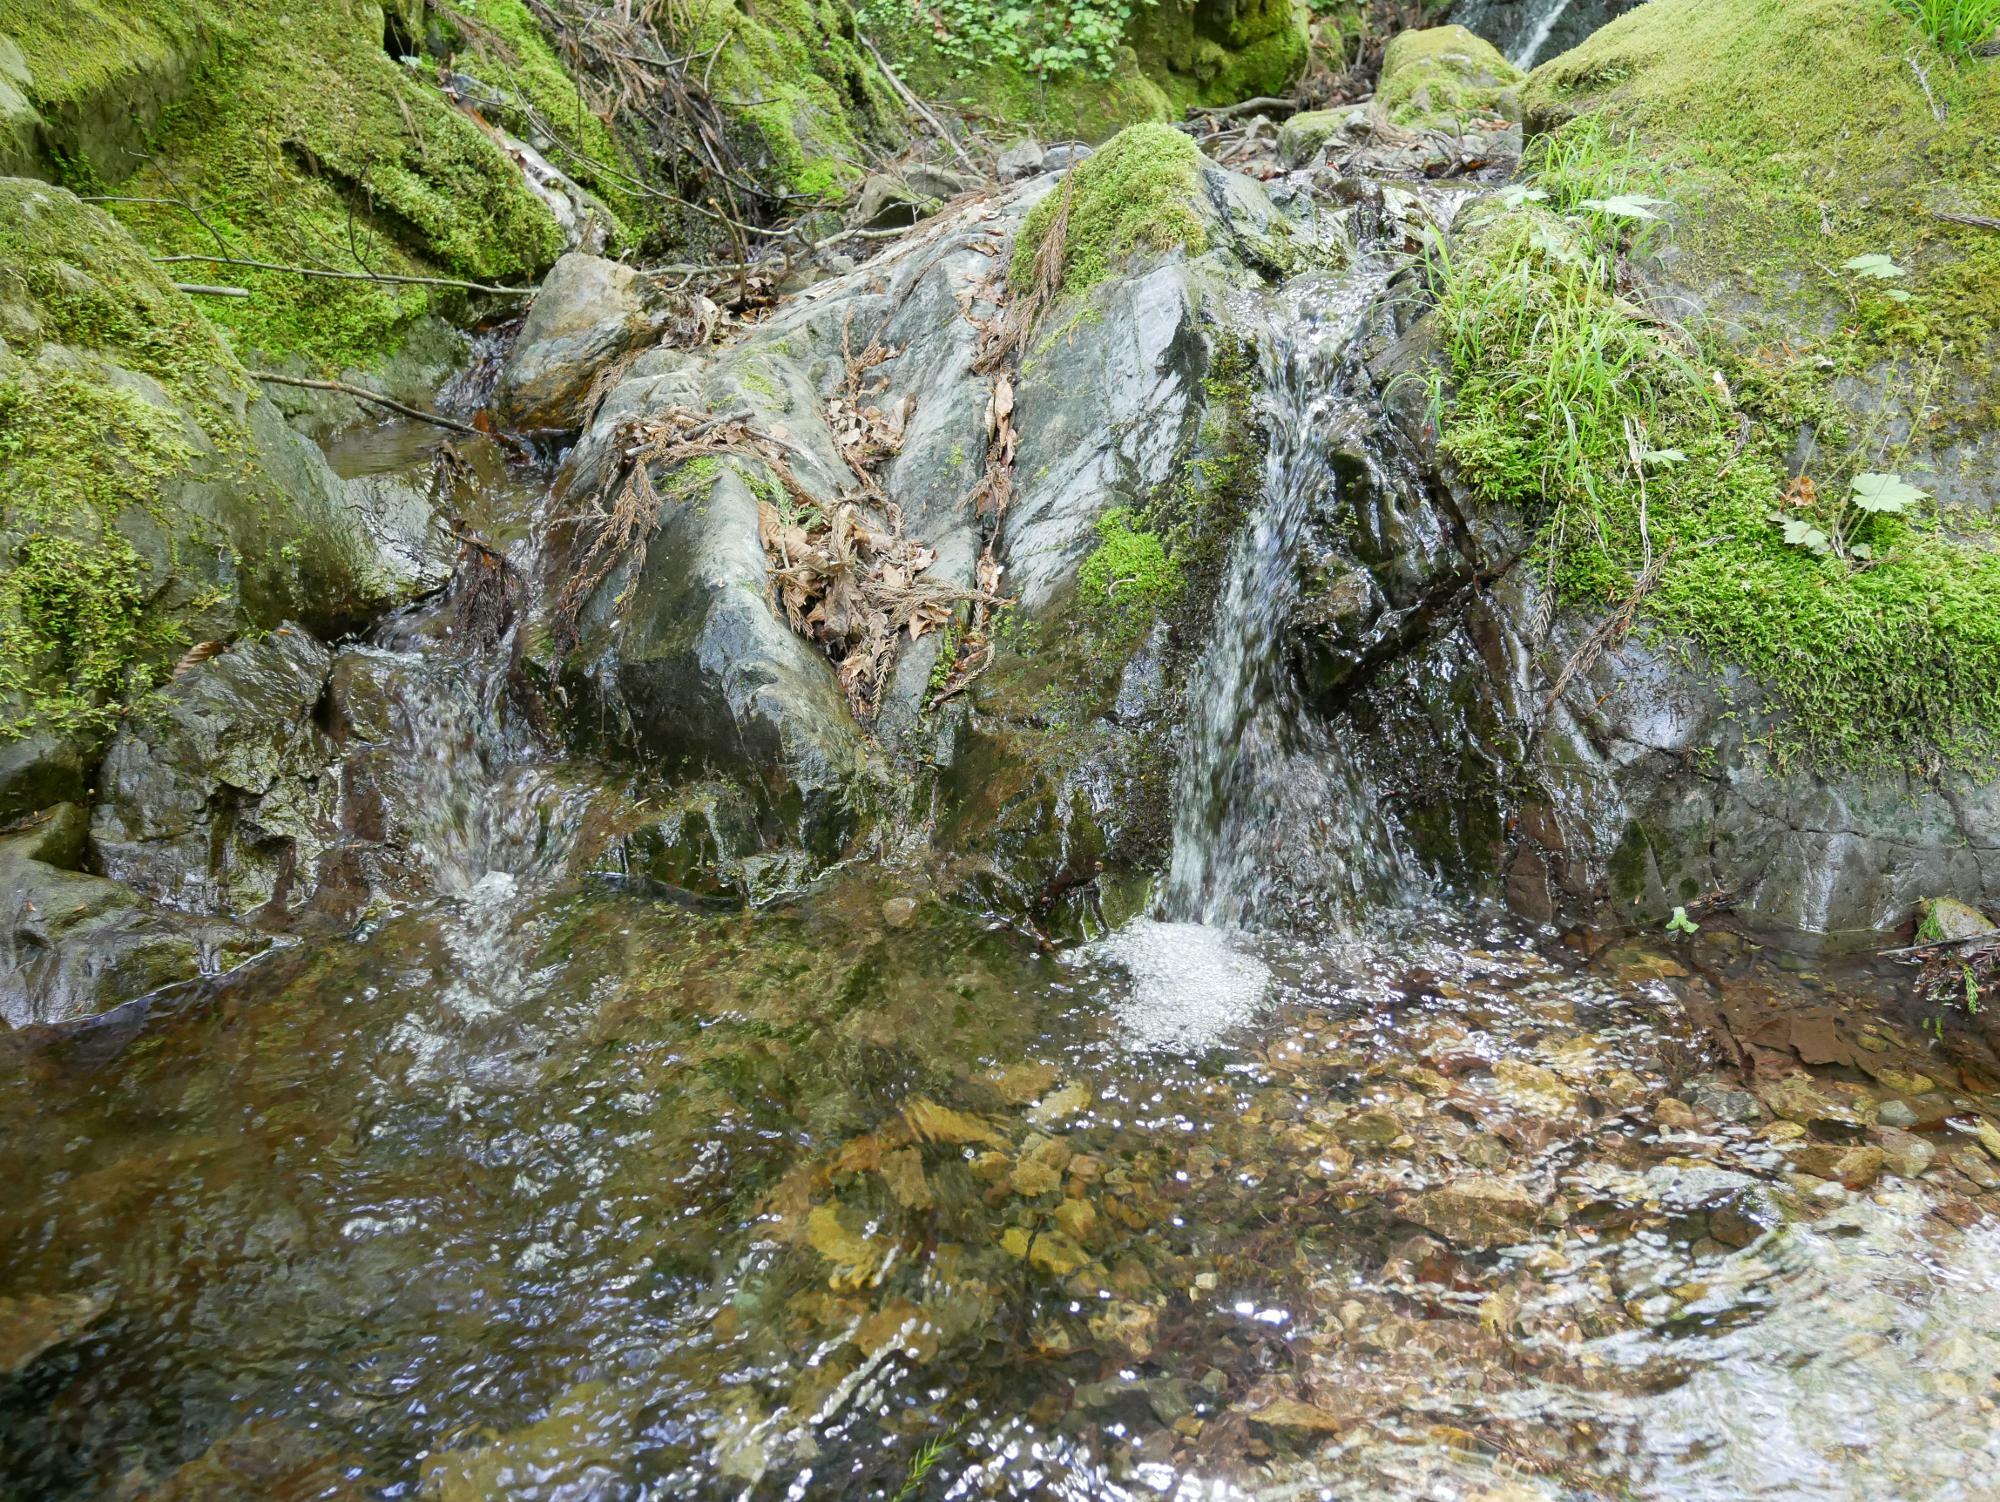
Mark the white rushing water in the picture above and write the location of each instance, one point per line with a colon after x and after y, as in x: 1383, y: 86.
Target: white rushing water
x: 1272, y: 812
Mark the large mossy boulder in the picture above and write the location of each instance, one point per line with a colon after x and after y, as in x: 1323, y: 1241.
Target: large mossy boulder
x: 1446, y: 77
x: 150, y: 497
x: 1742, y: 631
x: 1796, y: 142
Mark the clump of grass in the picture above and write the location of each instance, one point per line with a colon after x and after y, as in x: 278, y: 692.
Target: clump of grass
x: 1653, y: 475
x: 1954, y: 26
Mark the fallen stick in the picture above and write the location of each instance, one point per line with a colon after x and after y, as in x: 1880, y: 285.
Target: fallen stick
x: 1977, y: 221
x: 371, y: 396
x: 1932, y: 946
x: 349, y: 276
x: 203, y: 289
x: 1263, y: 106
x: 913, y: 102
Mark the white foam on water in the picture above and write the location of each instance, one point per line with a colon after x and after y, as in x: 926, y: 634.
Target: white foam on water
x: 1189, y: 983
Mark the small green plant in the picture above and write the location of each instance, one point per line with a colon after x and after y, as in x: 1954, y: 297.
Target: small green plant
x: 1681, y: 923
x: 1953, y: 26
x: 929, y: 1453
x: 1045, y: 37
x: 1827, y: 528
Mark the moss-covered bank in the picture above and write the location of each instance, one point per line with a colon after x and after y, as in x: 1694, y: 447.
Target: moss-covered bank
x: 335, y: 135
x: 279, y: 132
x: 148, y: 496
x: 1660, y: 464
x: 1801, y: 136
x: 1086, y: 70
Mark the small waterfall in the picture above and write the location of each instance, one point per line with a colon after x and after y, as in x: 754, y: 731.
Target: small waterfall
x: 1274, y: 820
x: 1528, y: 31
x: 1539, y: 37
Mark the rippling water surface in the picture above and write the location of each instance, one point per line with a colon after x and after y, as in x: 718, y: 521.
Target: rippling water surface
x: 591, y: 1195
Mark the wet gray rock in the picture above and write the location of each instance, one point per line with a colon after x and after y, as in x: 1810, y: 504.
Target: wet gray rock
x: 1065, y: 156
x: 683, y: 659
x: 73, y: 944
x: 218, y: 797
x: 1021, y: 160
x: 1304, y: 136
x: 589, y: 313
x: 888, y: 202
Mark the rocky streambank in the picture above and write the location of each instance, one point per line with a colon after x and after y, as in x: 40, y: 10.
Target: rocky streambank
x: 924, y: 564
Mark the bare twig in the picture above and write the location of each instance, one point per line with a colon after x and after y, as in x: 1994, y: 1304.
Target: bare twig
x: 349, y: 276
x: 913, y: 103
x: 366, y: 395
x: 1924, y: 83
x: 203, y: 289
x: 1977, y: 221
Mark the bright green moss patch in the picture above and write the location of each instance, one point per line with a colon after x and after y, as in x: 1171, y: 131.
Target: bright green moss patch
x: 1139, y: 192
x: 1654, y: 483
x: 1125, y: 584
x: 85, y: 446
x: 804, y: 93
x: 1446, y: 76
x: 506, y: 49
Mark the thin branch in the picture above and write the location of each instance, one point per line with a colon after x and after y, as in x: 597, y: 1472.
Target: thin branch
x: 350, y: 276
x: 204, y: 289
x: 1977, y: 221
x: 1263, y: 106
x: 912, y: 102
x: 369, y: 396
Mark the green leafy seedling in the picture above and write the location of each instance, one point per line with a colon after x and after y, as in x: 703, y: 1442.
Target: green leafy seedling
x: 1625, y: 206
x: 1878, y: 266
x: 1681, y: 923
x: 1881, y: 495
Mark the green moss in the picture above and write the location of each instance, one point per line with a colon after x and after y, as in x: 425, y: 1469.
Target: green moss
x: 804, y: 93
x: 1141, y: 191
x: 1799, y: 135
x: 506, y: 49
x: 1125, y: 584
x: 84, y: 447
x: 1558, y: 381
x: 1445, y: 76
x: 1087, y: 71
x: 75, y: 634
x: 299, y: 141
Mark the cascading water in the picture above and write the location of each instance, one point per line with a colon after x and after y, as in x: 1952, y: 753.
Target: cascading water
x: 1531, y: 31
x: 1274, y: 822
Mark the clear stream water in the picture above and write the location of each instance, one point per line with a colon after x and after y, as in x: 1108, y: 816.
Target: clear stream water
x: 544, y: 1186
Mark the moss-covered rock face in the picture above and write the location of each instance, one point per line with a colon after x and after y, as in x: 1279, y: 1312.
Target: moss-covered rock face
x: 802, y: 89
x: 279, y: 133
x: 149, y: 497
x: 1795, y: 139
x: 1837, y: 332
x: 1043, y: 67
x: 1445, y: 77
